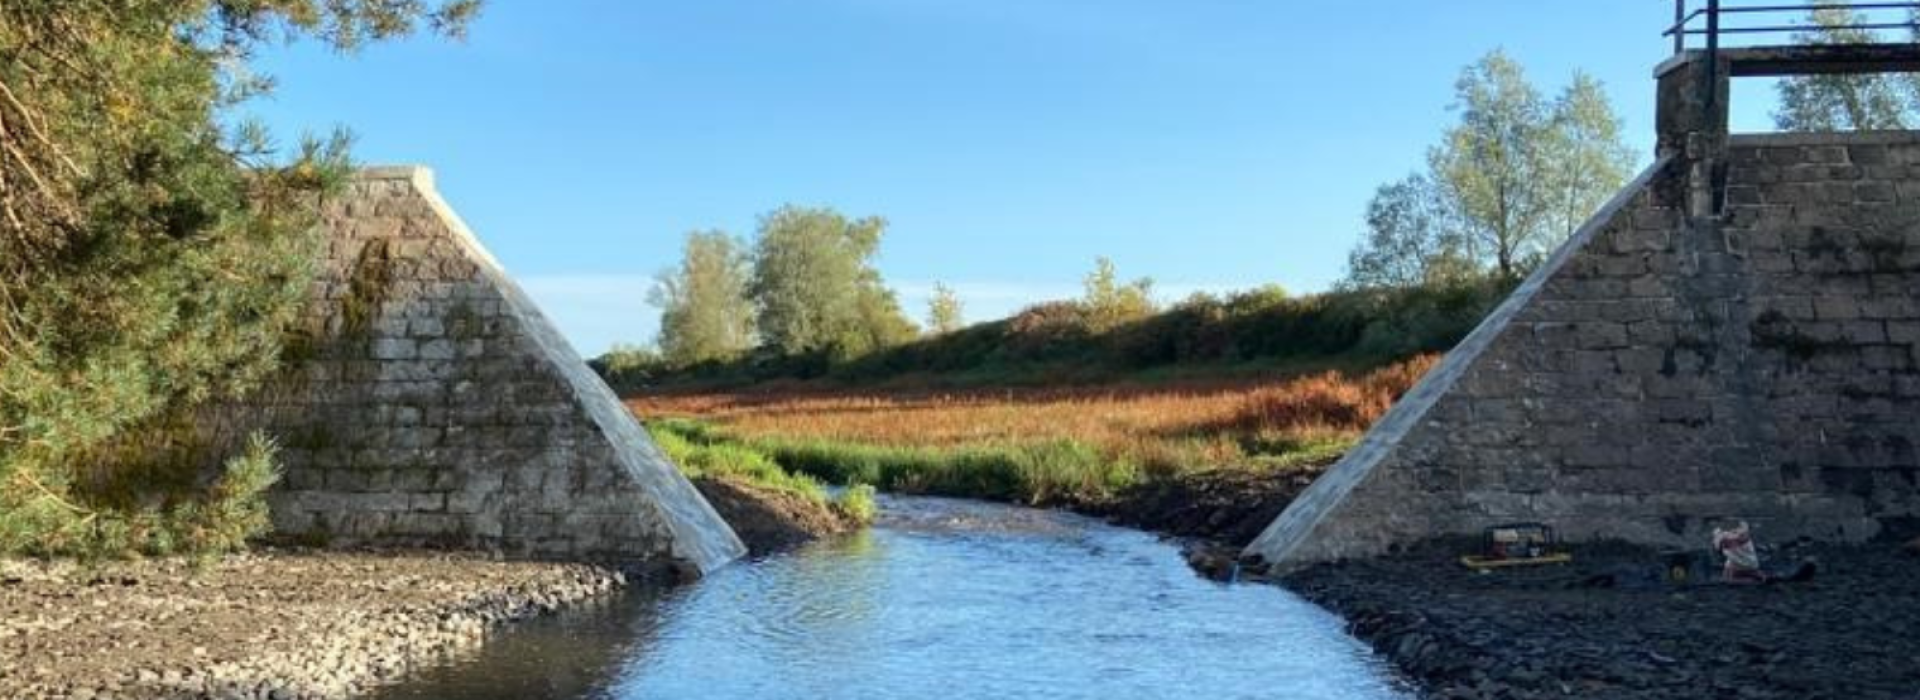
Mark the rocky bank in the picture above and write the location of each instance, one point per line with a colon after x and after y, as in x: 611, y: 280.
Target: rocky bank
x: 1610, y: 626
x: 1228, y: 505
x: 276, y: 624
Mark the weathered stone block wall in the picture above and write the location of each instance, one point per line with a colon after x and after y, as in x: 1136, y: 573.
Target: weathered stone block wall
x: 1661, y: 371
x: 433, y: 404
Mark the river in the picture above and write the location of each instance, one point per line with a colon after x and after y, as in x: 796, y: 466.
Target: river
x: 943, y: 598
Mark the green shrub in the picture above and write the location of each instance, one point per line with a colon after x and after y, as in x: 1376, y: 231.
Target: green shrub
x: 155, y: 251
x: 1055, y: 342
x: 1033, y: 473
x: 235, y: 508
x: 630, y: 368
x: 857, y: 503
x: 220, y: 518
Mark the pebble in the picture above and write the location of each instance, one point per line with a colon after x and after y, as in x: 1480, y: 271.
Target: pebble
x: 1544, y: 633
x: 362, y: 644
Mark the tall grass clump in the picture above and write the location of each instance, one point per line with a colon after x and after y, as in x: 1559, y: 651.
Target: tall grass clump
x: 1328, y: 402
x: 699, y: 452
x: 1035, y: 473
x: 1043, y: 446
x: 690, y: 448
x: 857, y: 503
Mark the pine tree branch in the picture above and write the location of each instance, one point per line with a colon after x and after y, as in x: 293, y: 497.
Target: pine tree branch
x: 27, y: 117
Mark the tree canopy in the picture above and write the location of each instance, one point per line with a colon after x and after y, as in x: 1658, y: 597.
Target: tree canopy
x: 1108, y: 302
x: 150, y: 259
x: 1844, y: 102
x: 814, y: 287
x: 1515, y: 176
x: 1411, y: 239
x: 944, y: 310
x: 704, y: 311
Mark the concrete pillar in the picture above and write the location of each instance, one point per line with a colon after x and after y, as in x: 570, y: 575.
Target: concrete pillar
x: 1691, y: 124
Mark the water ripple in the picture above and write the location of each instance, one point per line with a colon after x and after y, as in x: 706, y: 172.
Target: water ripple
x: 953, y: 599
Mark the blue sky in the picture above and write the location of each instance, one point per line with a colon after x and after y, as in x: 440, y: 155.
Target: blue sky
x: 1209, y: 145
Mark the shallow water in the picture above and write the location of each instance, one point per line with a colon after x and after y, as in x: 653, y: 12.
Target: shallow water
x: 943, y: 598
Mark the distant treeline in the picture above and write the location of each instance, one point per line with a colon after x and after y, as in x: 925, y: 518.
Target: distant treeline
x: 1519, y: 172
x: 1062, y: 341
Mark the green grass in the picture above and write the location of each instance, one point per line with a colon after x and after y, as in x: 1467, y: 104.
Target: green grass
x: 1284, y: 454
x: 699, y: 452
x: 1033, y: 473
x: 1053, y: 472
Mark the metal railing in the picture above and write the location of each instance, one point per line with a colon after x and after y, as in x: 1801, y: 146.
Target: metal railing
x: 1705, y: 21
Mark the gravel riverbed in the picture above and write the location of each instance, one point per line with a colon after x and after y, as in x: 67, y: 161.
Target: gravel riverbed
x: 1609, y: 626
x: 274, y: 624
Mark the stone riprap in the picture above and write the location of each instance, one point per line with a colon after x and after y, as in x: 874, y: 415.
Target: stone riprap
x: 1662, y: 369
x: 275, y: 625
x: 431, y: 403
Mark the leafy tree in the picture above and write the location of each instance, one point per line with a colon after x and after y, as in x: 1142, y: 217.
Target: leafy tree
x: 1590, y: 160
x: 814, y: 288
x: 1514, y: 178
x: 881, y: 323
x: 944, y: 311
x: 1843, y: 102
x: 704, y: 312
x: 149, y: 259
x: 1412, y: 240
x: 1109, y: 303
x: 1496, y: 165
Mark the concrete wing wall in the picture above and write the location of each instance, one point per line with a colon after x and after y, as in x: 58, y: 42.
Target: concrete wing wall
x: 1659, y: 372
x: 434, y: 404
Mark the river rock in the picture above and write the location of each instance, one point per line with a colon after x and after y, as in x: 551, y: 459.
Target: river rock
x: 280, y: 625
x: 1538, y: 632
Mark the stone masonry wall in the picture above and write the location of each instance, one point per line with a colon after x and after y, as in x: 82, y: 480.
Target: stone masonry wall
x: 432, y: 404
x: 1659, y: 372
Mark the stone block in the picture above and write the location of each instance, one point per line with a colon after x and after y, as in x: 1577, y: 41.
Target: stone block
x: 427, y: 503
x: 1648, y: 378
x: 423, y: 403
x: 393, y: 348
x: 1903, y: 332
x: 1873, y: 192
x: 1599, y: 335
x: 468, y: 501
x: 439, y: 349
x: 1864, y: 332
x: 1836, y: 308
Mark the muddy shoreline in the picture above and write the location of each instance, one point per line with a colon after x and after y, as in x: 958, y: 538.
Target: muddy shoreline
x: 290, y: 624
x: 1609, y: 626
x: 768, y: 521
x: 1606, y: 626
x: 277, y: 624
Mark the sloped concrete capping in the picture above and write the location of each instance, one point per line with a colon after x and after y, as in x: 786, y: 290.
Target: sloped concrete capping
x: 1749, y: 348
x: 430, y: 402
x: 1362, y: 504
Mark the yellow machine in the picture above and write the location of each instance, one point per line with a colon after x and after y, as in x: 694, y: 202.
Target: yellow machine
x: 1517, y: 544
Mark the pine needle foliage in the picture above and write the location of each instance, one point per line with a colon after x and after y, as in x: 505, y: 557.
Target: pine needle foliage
x: 151, y: 257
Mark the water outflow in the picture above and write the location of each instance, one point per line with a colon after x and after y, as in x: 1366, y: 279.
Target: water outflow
x: 944, y: 598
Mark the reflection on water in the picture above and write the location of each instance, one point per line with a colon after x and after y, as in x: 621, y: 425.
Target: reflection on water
x: 944, y: 598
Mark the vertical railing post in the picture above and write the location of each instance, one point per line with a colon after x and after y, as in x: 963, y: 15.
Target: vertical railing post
x: 1679, y: 31
x: 1713, y: 51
